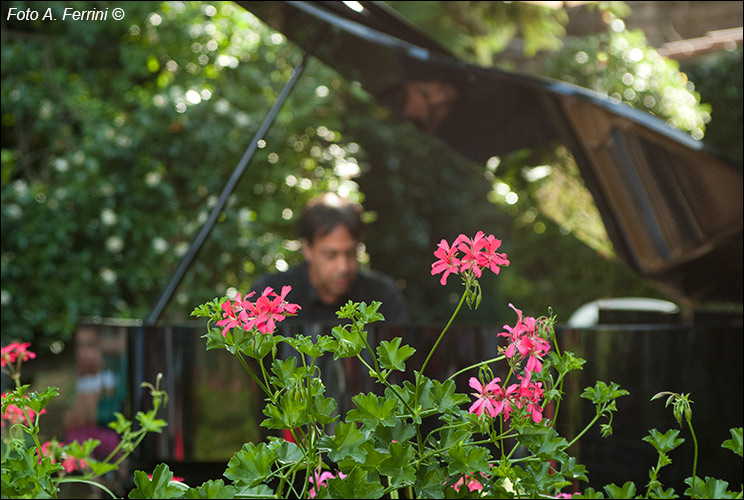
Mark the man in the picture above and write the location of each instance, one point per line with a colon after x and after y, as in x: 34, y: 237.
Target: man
x: 331, y: 231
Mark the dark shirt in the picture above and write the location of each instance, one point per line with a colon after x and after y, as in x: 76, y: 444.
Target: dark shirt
x: 368, y: 286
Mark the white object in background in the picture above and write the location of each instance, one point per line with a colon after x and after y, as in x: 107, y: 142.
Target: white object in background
x: 588, y: 314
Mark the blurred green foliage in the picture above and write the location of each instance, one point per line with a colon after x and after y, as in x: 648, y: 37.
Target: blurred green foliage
x: 118, y: 137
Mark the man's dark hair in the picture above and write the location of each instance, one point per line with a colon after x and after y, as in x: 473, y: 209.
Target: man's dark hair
x: 323, y: 213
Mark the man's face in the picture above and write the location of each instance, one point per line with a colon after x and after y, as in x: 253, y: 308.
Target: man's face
x: 332, y: 263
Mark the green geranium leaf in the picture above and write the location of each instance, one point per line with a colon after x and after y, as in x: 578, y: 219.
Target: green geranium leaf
x: 430, y: 482
x: 468, y: 458
x: 213, y: 489
x: 544, y: 442
x: 257, y: 345
x: 149, y: 423
x: 215, y: 339
x: 350, y: 341
x: 589, y: 493
x: 372, y: 459
x: 710, y: 488
x: 392, y: 356
x: 664, y: 443
x: 345, y: 442
x: 369, y: 313
x: 286, y: 373
x: 251, y: 465
x: 356, y: 485
x: 425, y: 397
x: 306, y: 346
x: 373, y: 410
x: 627, y: 490
x: 78, y: 450
x: 398, y: 466
x: 572, y: 470
x: 444, y: 396
x: 159, y: 487
x: 258, y: 491
x: 322, y: 409
x: 212, y: 309
x: 735, y: 443
x: 540, y: 477
x: 450, y: 436
x: 286, y: 452
x: 401, y: 433
x: 602, y: 393
x: 667, y: 493
x: 33, y: 400
x: 565, y: 363
x: 290, y: 412
x: 121, y: 425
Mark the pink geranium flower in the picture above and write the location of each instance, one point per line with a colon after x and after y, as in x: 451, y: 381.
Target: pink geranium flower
x: 491, y: 399
x: 525, y: 340
x: 263, y: 314
x: 488, y: 258
x: 447, y: 261
x: 529, y: 396
x: 471, y: 249
x: 233, y: 314
x: 479, y: 253
x: 15, y: 350
x: 472, y: 483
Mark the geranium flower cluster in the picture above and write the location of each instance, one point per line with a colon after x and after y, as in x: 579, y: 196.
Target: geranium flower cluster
x: 492, y: 399
x: 15, y: 351
x: 53, y: 450
x: 263, y: 314
x: 525, y: 343
x: 478, y: 253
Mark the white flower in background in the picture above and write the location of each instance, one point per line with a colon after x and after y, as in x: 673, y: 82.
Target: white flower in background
x: 61, y: 165
x: 13, y: 211
x: 107, y: 275
x: 152, y: 179
x: 21, y: 187
x: 114, y: 244
x: 108, y: 217
x: 181, y: 248
x: 159, y: 245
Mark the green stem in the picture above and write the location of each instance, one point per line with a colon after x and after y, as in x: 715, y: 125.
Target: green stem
x: 253, y: 375
x: 695, y: 456
x: 489, y: 361
x: 86, y: 481
x: 386, y: 383
x: 371, y: 353
x: 588, y: 426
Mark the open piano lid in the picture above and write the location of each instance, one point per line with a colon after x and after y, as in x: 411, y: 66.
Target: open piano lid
x: 672, y: 206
